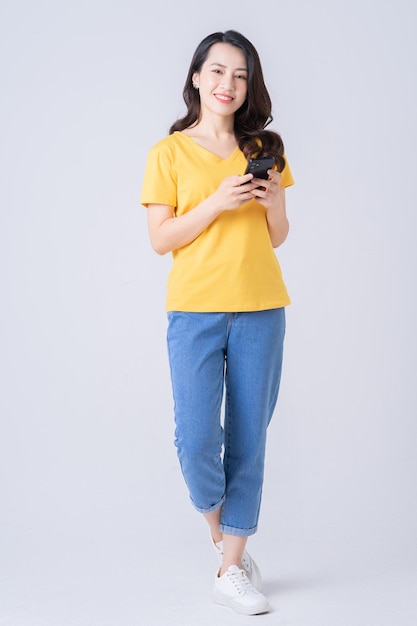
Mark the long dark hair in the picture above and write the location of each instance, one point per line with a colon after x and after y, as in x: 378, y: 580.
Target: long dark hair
x: 254, y: 114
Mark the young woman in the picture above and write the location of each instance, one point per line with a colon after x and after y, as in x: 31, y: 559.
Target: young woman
x: 226, y: 297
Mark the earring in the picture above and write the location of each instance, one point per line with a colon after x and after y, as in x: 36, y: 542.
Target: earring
x: 195, y: 85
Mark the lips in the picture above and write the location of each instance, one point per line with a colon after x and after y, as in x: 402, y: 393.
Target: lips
x: 223, y: 98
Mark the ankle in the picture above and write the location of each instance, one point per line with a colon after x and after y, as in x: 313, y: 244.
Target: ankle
x: 217, y: 537
x: 225, y: 566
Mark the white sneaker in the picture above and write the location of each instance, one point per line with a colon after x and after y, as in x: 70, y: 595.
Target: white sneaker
x: 248, y: 564
x: 235, y: 590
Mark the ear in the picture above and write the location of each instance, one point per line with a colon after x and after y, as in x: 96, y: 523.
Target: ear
x: 195, y: 80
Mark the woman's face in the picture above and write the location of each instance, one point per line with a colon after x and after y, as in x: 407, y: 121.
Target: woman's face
x: 223, y: 80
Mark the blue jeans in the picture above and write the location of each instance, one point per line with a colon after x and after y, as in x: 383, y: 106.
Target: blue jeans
x: 222, y: 457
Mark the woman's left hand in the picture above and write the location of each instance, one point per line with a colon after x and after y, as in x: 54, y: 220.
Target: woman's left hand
x: 270, y: 192
x: 272, y: 197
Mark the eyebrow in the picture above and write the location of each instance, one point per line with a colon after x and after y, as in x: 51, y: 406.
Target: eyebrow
x: 240, y: 69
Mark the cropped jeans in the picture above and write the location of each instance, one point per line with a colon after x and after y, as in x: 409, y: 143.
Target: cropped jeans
x: 222, y: 452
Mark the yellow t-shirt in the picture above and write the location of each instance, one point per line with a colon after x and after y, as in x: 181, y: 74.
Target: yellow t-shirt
x: 231, y: 266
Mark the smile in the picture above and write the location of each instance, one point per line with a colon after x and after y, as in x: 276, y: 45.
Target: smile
x: 223, y: 98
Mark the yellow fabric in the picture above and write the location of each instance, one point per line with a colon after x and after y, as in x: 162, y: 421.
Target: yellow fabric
x: 232, y: 265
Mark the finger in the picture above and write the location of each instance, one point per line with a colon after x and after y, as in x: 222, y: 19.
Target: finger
x: 274, y: 176
x: 260, y: 183
x: 245, y: 178
x: 245, y: 190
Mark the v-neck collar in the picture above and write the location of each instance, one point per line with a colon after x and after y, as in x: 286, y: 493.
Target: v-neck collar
x: 208, y: 152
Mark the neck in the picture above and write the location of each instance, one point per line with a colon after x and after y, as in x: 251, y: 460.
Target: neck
x: 216, y: 128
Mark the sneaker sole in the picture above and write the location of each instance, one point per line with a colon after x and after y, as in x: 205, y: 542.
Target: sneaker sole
x: 262, y: 607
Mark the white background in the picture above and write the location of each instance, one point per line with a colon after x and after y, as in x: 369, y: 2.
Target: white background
x: 96, y: 526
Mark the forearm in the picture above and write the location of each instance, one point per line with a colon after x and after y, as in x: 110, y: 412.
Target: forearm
x: 171, y: 233
x: 278, y: 225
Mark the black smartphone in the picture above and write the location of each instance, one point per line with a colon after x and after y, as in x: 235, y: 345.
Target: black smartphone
x: 259, y: 167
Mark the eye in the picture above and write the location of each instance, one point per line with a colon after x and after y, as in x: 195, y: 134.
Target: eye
x: 242, y: 76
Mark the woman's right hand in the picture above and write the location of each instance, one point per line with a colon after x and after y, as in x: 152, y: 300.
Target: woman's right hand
x: 234, y: 191
x: 168, y: 232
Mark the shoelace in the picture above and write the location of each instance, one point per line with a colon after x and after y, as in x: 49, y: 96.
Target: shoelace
x: 241, y: 582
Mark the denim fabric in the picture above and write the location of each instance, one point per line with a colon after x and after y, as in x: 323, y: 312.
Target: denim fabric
x: 222, y: 453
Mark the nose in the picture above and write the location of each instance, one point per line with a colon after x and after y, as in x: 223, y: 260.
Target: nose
x: 228, y: 81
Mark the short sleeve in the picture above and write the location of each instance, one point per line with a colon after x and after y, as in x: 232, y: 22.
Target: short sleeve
x: 286, y: 175
x: 160, y: 181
